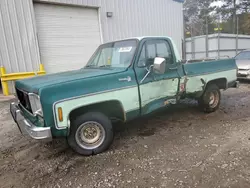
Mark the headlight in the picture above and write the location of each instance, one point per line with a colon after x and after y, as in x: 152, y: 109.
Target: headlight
x: 35, y: 104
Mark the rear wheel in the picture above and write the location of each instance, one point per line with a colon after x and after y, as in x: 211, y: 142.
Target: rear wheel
x: 91, y: 133
x: 210, y: 100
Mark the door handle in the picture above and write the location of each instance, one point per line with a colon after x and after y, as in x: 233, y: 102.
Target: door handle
x: 128, y: 79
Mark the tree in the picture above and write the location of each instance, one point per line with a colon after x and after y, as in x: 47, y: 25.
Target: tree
x: 196, y: 15
x: 244, y: 6
x: 199, y: 14
x: 243, y: 24
x: 228, y: 10
x: 246, y: 24
x: 231, y: 8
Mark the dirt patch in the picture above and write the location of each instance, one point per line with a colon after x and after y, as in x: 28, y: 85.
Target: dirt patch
x: 179, y: 147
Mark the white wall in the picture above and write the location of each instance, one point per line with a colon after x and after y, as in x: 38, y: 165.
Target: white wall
x: 133, y: 18
x: 218, y: 45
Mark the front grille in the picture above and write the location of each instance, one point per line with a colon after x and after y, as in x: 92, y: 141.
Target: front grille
x: 24, y: 99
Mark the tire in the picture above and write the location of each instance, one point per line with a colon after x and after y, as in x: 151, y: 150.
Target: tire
x: 211, y: 98
x: 87, y: 125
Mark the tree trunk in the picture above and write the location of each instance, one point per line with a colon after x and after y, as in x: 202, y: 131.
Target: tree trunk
x: 247, y: 24
x: 234, y: 16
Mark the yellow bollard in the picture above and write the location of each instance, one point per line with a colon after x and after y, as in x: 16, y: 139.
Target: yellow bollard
x: 2, y: 71
x: 109, y: 61
x: 17, y: 76
x: 41, y: 68
x: 4, y: 83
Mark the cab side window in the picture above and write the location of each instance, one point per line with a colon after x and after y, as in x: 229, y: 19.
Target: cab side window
x: 151, y: 52
x: 151, y: 49
x: 164, y: 51
x: 155, y: 48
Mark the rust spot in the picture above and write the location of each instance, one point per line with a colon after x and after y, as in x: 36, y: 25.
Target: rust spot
x: 166, y: 102
x: 183, y: 85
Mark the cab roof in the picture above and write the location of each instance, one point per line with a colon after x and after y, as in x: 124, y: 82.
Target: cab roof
x: 143, y: 37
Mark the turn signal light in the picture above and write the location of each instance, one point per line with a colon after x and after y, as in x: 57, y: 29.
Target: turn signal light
x: 60, y: 114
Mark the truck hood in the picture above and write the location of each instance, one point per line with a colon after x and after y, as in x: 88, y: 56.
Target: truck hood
x: 35, y: 83
x: 243, y: 64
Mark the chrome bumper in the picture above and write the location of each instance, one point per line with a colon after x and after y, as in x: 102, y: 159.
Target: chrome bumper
x: 243, y: 74
x: 243, y: 77
x: 28, y: 128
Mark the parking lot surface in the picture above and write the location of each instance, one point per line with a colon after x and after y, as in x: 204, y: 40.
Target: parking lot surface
x: 178, y: 147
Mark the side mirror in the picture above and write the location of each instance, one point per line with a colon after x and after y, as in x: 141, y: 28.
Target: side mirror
x: 159, y: 65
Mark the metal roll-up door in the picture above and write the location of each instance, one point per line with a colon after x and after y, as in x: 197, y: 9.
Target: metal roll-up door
x: 67, y: 35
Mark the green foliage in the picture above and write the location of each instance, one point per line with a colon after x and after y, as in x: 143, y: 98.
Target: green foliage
x: 246, y: 25
x: 245, y: 6
x: 196, y: 15
x: 233, y: 16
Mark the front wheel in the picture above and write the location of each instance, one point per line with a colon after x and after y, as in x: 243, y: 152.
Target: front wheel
x: 90, y: 134
x: 210, y: 100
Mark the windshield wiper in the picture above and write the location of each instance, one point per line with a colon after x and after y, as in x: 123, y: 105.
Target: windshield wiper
x: 105, y: 66
x: 90, y: 66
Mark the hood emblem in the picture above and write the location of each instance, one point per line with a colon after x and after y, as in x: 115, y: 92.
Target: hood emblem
x: 128, y: 79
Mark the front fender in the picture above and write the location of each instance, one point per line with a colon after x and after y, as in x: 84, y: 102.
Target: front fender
x: 127, y: 97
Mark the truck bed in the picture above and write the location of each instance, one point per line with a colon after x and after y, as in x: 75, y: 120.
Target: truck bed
x: 207, y: 67
x: 200, y: 73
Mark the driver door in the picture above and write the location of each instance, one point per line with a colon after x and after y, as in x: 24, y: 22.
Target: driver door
x: 156, y: 90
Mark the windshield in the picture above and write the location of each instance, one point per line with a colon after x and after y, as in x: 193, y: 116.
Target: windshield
x: 243, y: 55
x: 115, y: 54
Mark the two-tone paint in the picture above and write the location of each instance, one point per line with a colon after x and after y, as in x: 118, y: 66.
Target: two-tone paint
x: 123, y: 91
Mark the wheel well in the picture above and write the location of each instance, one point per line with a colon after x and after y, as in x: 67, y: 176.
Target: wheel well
x: 112, y: 109
x: 220, y: 82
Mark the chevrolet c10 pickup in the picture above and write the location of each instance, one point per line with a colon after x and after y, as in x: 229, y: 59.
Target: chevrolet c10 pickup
x: 123, y: 80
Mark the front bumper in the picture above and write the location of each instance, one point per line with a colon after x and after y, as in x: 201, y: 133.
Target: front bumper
x: 28, y: 128
x: 243, y: 74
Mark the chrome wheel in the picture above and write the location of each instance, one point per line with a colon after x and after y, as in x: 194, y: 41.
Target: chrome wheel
x: 90, y: 135
x: 213, y: 99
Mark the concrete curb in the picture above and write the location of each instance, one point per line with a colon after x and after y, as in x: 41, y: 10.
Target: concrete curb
x: 6, y: 98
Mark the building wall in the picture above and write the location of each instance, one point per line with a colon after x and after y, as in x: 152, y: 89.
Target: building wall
x: 18, y: 42
x: 19, y: 51
x: 19, y: 48
x: 142, y: 18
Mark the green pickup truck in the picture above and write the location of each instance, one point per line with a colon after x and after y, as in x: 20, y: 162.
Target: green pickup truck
x: 123, y: 80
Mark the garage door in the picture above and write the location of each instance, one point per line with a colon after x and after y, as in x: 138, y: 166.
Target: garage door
x: 67, y: 35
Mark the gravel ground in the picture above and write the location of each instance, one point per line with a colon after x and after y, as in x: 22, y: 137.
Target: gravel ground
x: 179, y: 147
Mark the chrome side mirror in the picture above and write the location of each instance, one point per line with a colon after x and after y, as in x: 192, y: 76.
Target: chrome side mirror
x: 159, y: 65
